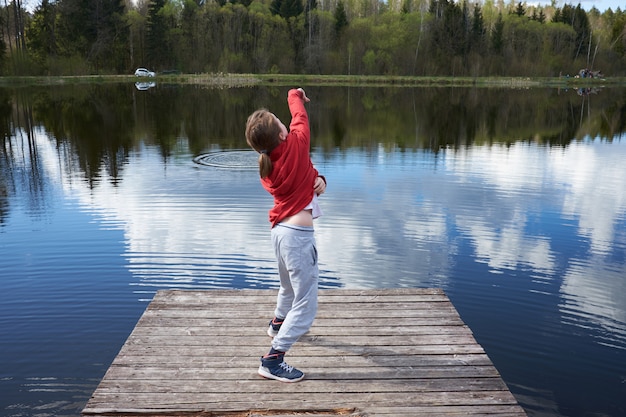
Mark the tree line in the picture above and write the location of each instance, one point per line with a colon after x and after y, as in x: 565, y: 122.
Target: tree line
x: 356, y: 37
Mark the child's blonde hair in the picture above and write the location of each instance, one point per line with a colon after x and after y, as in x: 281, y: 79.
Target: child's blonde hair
x: 262, y: 134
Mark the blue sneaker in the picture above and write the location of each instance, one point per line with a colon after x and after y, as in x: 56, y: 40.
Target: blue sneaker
x: 274, y: 367
x: 274, y: 327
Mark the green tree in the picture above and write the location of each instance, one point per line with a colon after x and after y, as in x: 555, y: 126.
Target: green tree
x: 14, y: 27
x: 136, y: 20
x: 287, y: 8
x: 478, y: 31
x: 110, y: 48
x: 341, y: 19
x: 407, y: 6
x: 159, y: 52
x: 3, y: 47
x: 449, y: 38
x: 583, y: 31
x: 233, y: 18
x: 453, y: 37
x: 538, y: 15
x: 497, y: 35
x: 189, y: 53
x: 524, y: 42
x: 41, y: 34
x: 209, y: 37
x: 577, y: 19
x: 75, y: 29
x: 558, y: 47
x: 618, y: 34
x: 94, y: 31
x: 477, y: 49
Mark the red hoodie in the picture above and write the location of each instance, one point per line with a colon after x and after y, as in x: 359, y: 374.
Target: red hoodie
x: 293, y: 175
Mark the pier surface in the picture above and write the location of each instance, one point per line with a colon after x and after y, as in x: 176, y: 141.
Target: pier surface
x: 382, y: 352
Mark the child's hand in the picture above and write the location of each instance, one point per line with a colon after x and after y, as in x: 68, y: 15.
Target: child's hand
x: 304, y: 97
x: 320, y: 186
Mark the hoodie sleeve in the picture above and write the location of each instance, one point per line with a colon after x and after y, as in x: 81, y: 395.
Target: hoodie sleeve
x: 299, y: 125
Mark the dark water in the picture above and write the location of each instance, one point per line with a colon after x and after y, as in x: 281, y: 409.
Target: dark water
x: 512, y: 201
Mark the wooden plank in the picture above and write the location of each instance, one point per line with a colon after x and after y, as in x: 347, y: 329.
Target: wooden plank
x: 355, y: 342
x: 384, y: 310
x: 398, y: 352
x: 314, y: 386
x: 305, y: 400
x: 199, y: 362
x: 210, y: 372
x: 433, y: 319
x: 180, y: 329
x: 199, y: 296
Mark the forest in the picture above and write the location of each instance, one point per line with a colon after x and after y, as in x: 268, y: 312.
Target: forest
x: 354, y: 37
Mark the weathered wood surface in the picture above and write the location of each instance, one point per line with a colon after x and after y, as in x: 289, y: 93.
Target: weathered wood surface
x: 392, y: 352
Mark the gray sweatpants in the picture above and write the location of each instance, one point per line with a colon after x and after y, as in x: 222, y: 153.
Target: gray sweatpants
x: 296, y: 253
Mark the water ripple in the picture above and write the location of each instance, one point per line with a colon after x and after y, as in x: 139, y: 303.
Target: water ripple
x: 235, y: 159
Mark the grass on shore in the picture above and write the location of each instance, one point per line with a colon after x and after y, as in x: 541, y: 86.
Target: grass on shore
x: 221, y: 80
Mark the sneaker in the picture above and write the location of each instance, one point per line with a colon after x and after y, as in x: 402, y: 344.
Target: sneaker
x: 274, y: 327
x: 274, y: 367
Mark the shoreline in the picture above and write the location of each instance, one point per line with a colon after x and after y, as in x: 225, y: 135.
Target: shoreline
x: 221, y: 80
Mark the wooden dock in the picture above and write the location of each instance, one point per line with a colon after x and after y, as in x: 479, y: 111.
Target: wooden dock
x: 391, y: 352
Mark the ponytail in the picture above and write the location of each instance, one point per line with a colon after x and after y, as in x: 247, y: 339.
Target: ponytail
x: 265, y: 165
x: 262, y: 134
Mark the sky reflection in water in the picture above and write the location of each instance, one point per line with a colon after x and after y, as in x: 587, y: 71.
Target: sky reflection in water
x: 529, y: 242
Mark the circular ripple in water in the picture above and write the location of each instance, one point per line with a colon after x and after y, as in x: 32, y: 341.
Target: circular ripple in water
x: 237, y: 159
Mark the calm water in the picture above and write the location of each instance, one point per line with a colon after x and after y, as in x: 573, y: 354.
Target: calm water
x: 512, y: 201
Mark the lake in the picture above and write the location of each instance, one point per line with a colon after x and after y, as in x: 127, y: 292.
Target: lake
x: 511, y: 200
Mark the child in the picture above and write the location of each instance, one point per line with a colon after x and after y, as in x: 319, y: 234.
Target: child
x: 287, y: 173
